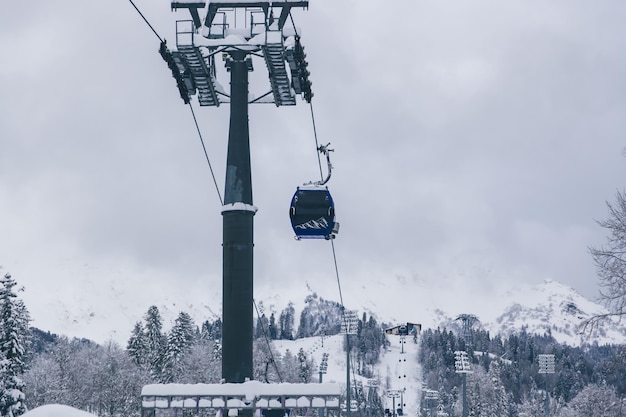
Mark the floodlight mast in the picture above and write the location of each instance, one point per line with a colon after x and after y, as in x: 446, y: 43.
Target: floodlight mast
x: 194, y: 71
x: 546, y: 366
x: 462, y: 366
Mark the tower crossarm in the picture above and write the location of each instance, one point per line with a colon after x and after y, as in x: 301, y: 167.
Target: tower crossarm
x: 193, y: 7
x: 285, y: 7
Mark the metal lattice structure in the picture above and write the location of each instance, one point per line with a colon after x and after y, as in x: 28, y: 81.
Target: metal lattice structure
x: 261, y: 34
x: 468, y: 321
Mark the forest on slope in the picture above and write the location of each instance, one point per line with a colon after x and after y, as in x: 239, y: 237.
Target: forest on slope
x: 505, y: 379
x: 107, y: 379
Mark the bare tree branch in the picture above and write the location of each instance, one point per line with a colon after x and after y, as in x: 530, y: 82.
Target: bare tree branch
x: 610, y: 262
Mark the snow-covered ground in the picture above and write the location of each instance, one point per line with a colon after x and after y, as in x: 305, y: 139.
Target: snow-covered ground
x: 398, y: 369
x: 57, y: 410
x: 398, y: 372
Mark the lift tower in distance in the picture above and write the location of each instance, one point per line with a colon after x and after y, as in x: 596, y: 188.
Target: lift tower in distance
x: 468, y: 321
x: 237, y: 31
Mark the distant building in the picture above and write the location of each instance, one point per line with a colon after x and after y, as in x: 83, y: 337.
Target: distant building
x: 404, y: 329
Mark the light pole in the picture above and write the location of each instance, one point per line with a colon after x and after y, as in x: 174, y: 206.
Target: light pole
x: 462, y: 366
x: 349, y: 326
x: 323, y: 366
x: 372, y: 384
x: 546, y: 366
x: 432, y: 398
x: 393, y: 394
x: 322, y: 370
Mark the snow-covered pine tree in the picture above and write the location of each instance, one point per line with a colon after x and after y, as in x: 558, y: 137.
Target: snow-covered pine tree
x: 179, y: 341
x: 156, y: 342
x: 305, y: 367
x: 14, y: 339
x: 137, y: 346
x: 289, y: 367
x: 262, y: 325
x: 216, y: 330
x: 287, y: 321
x: 272, y: 330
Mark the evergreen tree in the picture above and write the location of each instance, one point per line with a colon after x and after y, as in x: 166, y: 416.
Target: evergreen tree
x: 14, y: 338
x: 272, y: 330
x: 289, y: 367
x: 156, y: 343
x: 179, y: 342
x: 261, y: 327
x: 319, y: 317
x: 205, y: 331
x: 137, y: 346
x: 216, y: 330
x: 305, y: 367
x: 500, y: 403
x: 182, y: 335
x: 287, y: 322
x: 305, y: 328
x: 370, y: 340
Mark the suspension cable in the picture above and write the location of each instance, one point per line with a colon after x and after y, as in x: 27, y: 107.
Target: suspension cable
x: 217, y: 188
x: 193, y: 114
x: 269, y: 347
x: 295, y: 30
x: 317, y: 145
x: 319, y: 162
x: 332, y: 242
x: 146, y: 20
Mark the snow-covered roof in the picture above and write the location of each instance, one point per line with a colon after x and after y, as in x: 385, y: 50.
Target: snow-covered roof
x: 247, y: 395
x: 249, y: 389
x: 195, y: 2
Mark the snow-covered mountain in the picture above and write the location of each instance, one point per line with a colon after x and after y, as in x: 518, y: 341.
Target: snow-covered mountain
x: 87, y: 306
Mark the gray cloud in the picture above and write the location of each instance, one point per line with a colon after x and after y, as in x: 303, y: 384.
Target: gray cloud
x: 468, y: 137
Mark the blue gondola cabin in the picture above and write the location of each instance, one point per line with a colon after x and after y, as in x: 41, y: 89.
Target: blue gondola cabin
x: 312, y: 213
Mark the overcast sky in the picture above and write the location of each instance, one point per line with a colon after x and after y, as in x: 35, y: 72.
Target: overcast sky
x: 477, y: 139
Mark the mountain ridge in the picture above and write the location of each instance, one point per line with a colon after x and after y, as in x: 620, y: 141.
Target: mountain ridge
x: 103, y: 310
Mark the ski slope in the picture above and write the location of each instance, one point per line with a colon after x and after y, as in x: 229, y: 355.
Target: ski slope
x: 398, y: 369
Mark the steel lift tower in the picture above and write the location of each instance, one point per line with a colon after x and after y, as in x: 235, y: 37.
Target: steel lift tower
x: 237, y: 31
x: 468, y: 321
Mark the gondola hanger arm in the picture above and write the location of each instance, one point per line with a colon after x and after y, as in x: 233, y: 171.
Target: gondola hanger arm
x: 324, y: 150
